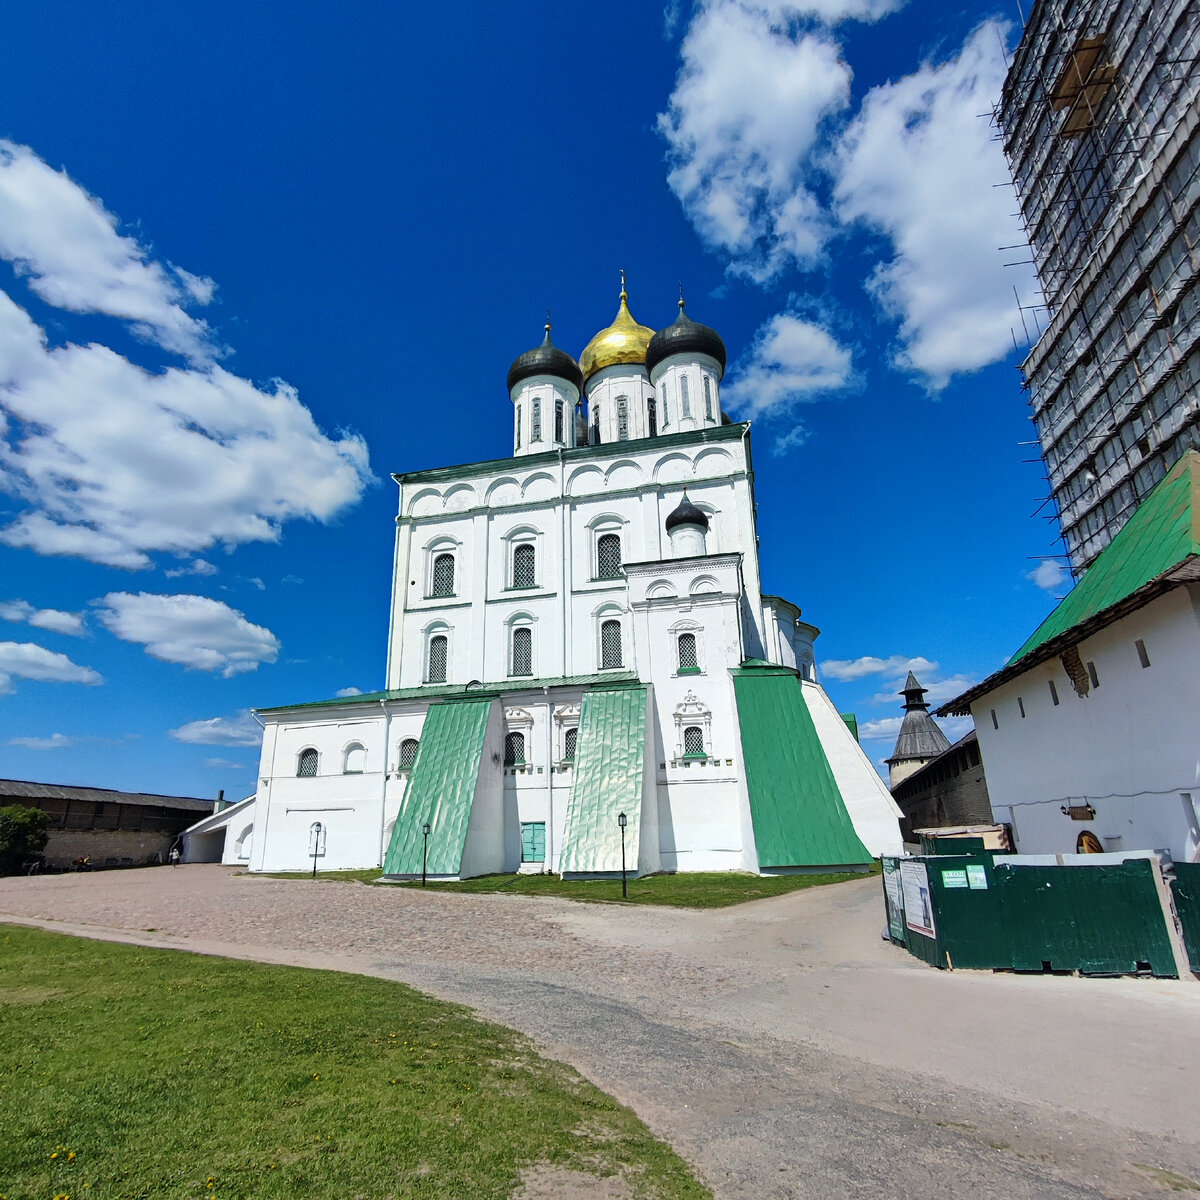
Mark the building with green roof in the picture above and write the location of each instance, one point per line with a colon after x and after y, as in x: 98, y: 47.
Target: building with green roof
x: 1092, y: 725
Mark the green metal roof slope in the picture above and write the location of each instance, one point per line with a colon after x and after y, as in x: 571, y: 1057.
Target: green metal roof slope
x: 609, y: 764
x: 797, y: 810
x: 441, y: 789
x: 1163, y: 531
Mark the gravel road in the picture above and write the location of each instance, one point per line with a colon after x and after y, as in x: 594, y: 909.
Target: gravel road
x: 782, y: 1047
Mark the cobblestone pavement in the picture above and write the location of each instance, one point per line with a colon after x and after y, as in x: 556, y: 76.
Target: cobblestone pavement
x: 781, y: 1046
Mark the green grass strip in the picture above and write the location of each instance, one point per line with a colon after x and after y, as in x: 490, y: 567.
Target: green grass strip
x: 129, y: 1073
x: 699, y: 889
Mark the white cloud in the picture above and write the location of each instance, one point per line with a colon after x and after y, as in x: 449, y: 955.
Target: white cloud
x: 113, y: 462
x: 224, y: 763
x: 886, y: 727
x: 920, y: 164
x: 242, y: 730
x: 26, y: 660
x: 937, y: 691
x: 790, y: 362
x: 348, y: 691
x: 192, y: 630
x: 53, y: 619
x: 829, y: 11
x: 66, y: 244
x: 1048, y: 575
x: 56, y: 741
x: 859, y: 668
x: 749, y: 101
x: 197, y: 566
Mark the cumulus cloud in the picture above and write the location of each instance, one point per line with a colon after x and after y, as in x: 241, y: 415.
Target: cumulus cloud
x: 198, y: 566
x: 791, y: 361
x: 919, y: 164
x: 56, y: 741
x: 113, y: 462
x: 937, y: 690
x: 27, y: 660
x: 53, y: 619
x: 749, y: 101
x: 67, y: 245
x: 348, y: 691
x: 1049, y: 575
x: 885, y: 727
x: 194, y: 631
x: 224, y: 763
x: 898, y: 665
x: 242, y: 730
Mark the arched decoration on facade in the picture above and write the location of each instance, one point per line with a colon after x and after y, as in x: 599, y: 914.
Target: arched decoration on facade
x: 688, y: 647
x: 693, y: 729
x: 408, y: 753
x: 241, y: 847
x: 354, y: 759
x: 307, y: 762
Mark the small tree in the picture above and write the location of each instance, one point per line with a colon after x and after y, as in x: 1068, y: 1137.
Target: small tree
x: 22, y: 836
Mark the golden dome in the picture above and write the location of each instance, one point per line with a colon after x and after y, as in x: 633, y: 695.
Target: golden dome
x: 624, y: 341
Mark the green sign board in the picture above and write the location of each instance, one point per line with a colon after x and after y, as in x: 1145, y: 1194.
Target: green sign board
x: 954, y: 879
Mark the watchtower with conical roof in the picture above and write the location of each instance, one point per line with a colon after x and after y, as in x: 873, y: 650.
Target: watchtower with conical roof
x: 920, y: 738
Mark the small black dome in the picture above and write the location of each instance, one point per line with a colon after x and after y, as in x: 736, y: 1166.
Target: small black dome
x: 685, y: 337
x: 686, y: 514
x: 547, y: 359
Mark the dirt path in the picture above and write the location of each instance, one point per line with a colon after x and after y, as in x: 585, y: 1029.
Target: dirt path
x: 782, y: 1047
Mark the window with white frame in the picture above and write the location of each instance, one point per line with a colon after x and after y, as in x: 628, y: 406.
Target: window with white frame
x: 608, y: 556
x: 354, y: 759
x: 558, y: 420
x: 306, y: 763
x: 666, y: 411
x: 685, y: 398
x: 693, y: 742
x: 595, y: 424
x: 610, y: 644
x: 443, y: 575
x: 652, y: 417
x: 536, y: 419
x: 570, y: 743
x: 408, y: 753
x: 708, y: 403
x: 693, y: 728
x: 436, y: 658
x: 686, y: 650
x: 622, y: 419
x: 524, y: 565
x: 521, y: 654
x: 518, y: 427
x: 514, y: 749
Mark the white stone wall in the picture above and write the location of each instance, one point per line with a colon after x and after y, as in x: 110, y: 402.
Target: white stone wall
x: 1129, y: 748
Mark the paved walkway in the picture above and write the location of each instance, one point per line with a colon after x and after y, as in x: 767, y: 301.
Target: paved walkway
x: 782, y: 1046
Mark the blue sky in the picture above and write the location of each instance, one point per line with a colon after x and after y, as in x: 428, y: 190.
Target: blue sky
x: 254, y: 260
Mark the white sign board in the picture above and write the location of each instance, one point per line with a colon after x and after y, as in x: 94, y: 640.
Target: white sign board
x: 918, y: 906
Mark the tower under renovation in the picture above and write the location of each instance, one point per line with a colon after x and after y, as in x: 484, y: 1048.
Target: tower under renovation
x: 1099, y: 115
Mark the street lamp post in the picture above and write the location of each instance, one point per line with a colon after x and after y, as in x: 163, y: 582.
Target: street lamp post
x: 425, y: 854
x: 315, y: 830
x: 623, y: 820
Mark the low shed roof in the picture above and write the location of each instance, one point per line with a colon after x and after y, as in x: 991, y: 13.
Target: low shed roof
x: 18, y: 789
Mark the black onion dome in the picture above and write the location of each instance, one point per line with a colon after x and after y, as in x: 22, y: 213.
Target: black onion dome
x: 547, y: 359
x: 685, y: 337
x: 686, y: 514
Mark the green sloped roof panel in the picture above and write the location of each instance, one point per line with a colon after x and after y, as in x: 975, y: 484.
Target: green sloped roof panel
x: 799, y: 817
x: 441, y: 789
x: 610, y: 760
x: 1162, y: 532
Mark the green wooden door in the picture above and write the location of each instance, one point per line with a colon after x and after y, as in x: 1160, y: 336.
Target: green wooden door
x: 533, y: 841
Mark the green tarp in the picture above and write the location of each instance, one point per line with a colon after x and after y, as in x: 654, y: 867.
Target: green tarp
x: 441, y: 789
x: 799, y: 817
x: 610, y: 758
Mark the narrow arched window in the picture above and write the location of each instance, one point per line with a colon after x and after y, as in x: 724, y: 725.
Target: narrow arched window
x: 622, y: 419
x: 522, y: 651
x: 514, y: 749
x: 355, y: 759
x: 569, y: 743
x: 608, y: 556
x: 558, y: 420
x: 443, y: 575
x: 685, y: 399
x: 306, y: 766
x: 610, y: 644
x: 708, y: 407
x: 536, y: 418
x: 439, y: 645
x: 687, y: 652
x: 595, y: 424
x: 652, y: 417
x: 693, y: 742
x: 662, y: 391
x: 524, y: 562
x: 408, y: 753
x: 518, y: 427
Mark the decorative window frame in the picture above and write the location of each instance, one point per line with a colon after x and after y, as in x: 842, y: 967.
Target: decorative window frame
x: 299, y: 757
x: 560, y: 421
x: 403, y: 768
x: 597, y: 527
x: 515, y: 621
x: 622, y: 403
x: 523, y: 535
x: 696, y: 630
x: 535, y: 419
x: 566, y: 718
x: 432, y: 630
x: 433, y: 549
x: 611, y: 612
x: 519, y: 720
x: 347, y: 750
x: 692, y: 711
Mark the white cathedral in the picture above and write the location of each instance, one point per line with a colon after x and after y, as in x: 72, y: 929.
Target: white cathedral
x: 581, y: 659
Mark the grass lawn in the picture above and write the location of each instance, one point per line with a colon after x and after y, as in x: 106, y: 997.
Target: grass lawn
x: 702, y: 889
x: 128, y: 1073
